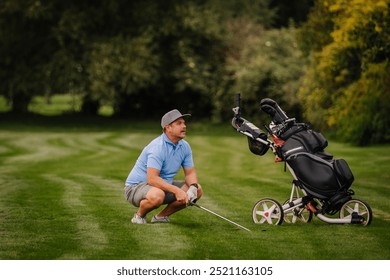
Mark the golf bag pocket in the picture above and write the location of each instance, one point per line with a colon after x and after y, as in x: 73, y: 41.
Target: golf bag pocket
x: 315, y: 174
x: 304, y: 141
x: 343, y: 172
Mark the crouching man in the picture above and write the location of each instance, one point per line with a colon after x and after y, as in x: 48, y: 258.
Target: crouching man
x: 151, y: 183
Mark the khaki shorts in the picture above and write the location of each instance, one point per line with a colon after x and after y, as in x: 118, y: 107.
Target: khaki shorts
x: 135, y: 193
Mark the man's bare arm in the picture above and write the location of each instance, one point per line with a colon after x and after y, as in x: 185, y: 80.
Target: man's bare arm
x: 153, y: 179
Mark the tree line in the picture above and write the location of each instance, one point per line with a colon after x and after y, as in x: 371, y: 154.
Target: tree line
x: 324, y: 61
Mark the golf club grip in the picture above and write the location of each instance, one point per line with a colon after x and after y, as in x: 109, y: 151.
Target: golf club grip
x: 238, y: 100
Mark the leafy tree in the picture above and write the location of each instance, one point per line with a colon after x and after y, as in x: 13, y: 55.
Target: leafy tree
x: 26, y: 47
x: 346, y: 84
x: 121, y: 67
x: 264, y: 63
x: 187, y: 39
x: 43, y: 47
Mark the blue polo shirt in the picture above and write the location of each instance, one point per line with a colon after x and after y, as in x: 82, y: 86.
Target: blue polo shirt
x: 163, y: 155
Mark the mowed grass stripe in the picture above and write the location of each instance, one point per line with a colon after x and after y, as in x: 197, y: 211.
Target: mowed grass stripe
x: 36, y: 225
x: 39, y: 147
x: 27, y: 207
x: 89, y: 235
x: 50, y: 148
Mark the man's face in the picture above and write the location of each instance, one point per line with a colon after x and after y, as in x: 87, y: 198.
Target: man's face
x: 177, y: 129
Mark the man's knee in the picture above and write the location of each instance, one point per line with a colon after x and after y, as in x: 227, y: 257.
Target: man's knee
x: 155, y: 196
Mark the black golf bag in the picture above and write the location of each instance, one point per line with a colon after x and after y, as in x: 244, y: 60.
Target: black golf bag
x: 320, y: 185
x: 318, y: 173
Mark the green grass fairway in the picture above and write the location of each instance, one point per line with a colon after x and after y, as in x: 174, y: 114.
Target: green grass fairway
x: 61, y: 198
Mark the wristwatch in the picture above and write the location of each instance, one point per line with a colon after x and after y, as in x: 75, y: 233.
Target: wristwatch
x: 195, y: 185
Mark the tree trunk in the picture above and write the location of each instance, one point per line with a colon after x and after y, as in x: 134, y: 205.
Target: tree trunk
x: 19, y: 102
x: 89, y: 106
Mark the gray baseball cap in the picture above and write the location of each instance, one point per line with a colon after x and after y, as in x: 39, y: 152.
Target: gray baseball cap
x: 172, y: 116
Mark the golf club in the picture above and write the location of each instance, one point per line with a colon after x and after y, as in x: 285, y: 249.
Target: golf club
x: 223, y: 218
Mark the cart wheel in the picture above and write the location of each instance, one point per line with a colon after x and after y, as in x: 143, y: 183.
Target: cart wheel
x: 359, y: 207
x: 267, y: 210
x: 297, y: 214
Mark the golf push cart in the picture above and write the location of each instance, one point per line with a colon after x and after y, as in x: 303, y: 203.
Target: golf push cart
x: 320, y: 185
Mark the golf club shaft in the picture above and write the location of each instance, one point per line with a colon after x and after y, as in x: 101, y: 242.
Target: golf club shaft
x: 223, y: 218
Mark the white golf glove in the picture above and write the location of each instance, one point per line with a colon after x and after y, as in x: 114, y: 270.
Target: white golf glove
x: 192, y: 193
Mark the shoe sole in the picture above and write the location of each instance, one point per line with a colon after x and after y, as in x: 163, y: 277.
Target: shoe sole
x: 135, y: 222
x: 160, y: 222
